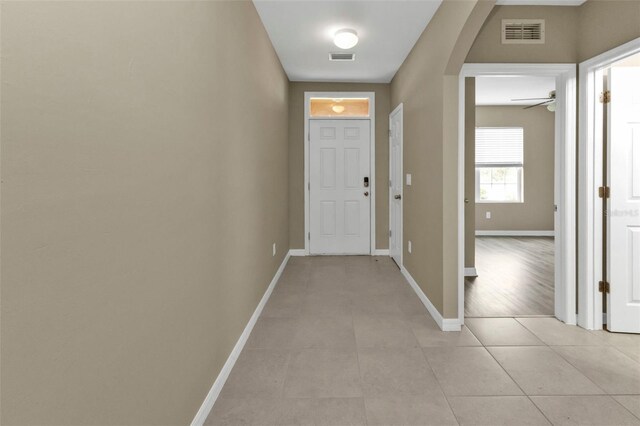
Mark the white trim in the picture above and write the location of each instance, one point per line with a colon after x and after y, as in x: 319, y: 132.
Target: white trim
x: 470, y: 272
x: 565, y: 176
x: 211, y: 397
x: 399, y: 109
x: 381, y: 252
x: 372, y: 156
x: 590, y: 216
x: 445, y: 324
x: 297, y: 252
x: 515, y: 233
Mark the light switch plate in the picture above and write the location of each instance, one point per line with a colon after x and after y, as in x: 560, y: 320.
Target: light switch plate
x: 408, y: 179
x: 274, y: 249
x: 409, y: 246
x: 488, y: 215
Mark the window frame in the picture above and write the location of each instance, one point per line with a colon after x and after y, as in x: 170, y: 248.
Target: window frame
x: 520, y: 172
x: 518, y: 166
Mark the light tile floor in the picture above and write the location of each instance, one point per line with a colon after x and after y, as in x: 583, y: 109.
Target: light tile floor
x: 345, y: 341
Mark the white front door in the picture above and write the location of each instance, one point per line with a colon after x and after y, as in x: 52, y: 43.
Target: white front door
x: 340, y: 188
x: 623, y: 308
x: 395, y: 185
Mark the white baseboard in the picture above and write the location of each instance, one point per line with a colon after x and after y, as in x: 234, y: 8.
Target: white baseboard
x: 515, y: 233
x: 445, y: 324
x: 207, y: 405
x: 470, y: 272
x: 301, y: 252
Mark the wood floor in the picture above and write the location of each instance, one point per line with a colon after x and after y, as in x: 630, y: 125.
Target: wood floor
x: 515, y: 277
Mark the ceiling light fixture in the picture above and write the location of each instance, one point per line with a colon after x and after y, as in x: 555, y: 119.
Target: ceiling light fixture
x: 345, y: 38
x: 339, y: 109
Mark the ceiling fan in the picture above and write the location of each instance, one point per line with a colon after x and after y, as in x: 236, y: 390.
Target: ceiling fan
x: 549, y: 101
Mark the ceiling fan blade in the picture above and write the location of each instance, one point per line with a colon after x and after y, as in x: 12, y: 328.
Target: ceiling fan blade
x: 540, y: 104
x: 530, y: 99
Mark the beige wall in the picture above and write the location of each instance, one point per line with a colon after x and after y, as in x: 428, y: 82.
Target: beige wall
x: 144, y: 179
x: 296, y: 156
x: 536, y: 213
x: 469, y: 172
x: 605, y: 24
x: 573, y: 34
x: 427, y: 85
x: 561, y: 35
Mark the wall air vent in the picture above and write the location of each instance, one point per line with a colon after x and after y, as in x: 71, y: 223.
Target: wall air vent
x: 342, y: 56
x: 523, y: 31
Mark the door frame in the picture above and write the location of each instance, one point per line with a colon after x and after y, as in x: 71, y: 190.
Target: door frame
x: 590, y: 315
x: 564, y: 179
x: 398, y: 110
x: 372, y: 157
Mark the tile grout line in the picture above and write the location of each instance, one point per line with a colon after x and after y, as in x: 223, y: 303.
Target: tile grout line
x: 514, y: 381
x: 446, y: 398
x: 518, y: 384
x: 620, y: 404
x: 575, y: 367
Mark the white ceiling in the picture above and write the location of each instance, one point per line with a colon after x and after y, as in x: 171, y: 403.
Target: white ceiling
x: 302, y: 33
x: 500, y: 90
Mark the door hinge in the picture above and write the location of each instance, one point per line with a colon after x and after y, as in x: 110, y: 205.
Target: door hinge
x: 605, y: 97
x: 309, y: 236
x: 389, y: 132
x: 390, y: 183
x: 603, y: 287
x: 603, y: 192
x: 309, y: 186
x: 389, y: 233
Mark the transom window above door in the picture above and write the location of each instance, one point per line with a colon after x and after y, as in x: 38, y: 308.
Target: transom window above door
x: 337, y: 107
x: 499, y: 164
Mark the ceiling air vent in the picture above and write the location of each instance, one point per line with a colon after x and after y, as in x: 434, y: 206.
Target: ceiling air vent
x: 523, y: 31
x: 342, y: 56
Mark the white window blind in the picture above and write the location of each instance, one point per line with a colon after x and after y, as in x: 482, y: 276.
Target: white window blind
x: 499, y: 146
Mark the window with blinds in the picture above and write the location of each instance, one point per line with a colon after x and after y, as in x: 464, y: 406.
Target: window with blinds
x: 499, y: 164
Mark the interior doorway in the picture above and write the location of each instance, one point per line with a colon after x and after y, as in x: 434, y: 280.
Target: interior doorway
x: 532, y: 263
x: 511, y: 196
x: 395, y: 185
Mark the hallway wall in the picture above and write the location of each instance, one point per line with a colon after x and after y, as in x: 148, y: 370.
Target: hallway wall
x: 573, y: 34
x: 296, y: 155
x: 469, y: 172
x: 144, y: 180
x: 605, y: 24
x: 427, y: 85
x: 561, y: 37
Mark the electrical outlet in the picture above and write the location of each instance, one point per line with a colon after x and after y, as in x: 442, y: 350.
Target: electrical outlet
x: 274, y: 249
x: 409, y: 246
x: 488, y: 215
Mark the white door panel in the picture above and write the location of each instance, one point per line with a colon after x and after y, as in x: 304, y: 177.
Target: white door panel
x: 623, y: 308
x: 395, y: 186
x: 339, y: 213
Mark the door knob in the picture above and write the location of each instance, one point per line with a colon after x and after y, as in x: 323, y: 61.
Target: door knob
x: 398, y: 197
x: 366, y: 194
x: 466, y: 201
